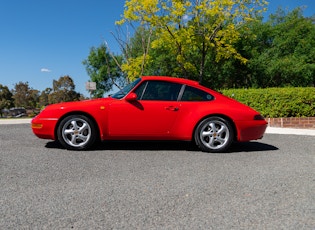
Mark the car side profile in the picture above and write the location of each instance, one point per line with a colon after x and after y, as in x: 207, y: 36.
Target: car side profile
x: 152, y: 108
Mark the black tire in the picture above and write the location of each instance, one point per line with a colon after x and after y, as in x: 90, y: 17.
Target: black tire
x: 77, y: 132
x: 214, y: 134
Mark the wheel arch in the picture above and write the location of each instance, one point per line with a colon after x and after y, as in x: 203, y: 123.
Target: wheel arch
x: 78, y: 113
x: 221, y: 116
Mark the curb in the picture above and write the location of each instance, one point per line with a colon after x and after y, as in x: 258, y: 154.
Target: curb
x: 15, y: 121
x: 291, y: 131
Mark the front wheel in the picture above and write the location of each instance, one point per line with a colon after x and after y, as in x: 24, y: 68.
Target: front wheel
x: 76, y: 132
x: 214, y: 134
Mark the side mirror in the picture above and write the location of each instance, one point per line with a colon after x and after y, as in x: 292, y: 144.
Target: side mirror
x: 131, y: 97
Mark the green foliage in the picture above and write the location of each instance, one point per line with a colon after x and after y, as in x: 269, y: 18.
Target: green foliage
x: 191, y: 30
x: 104, y: 69
x: 63, y: 90
x: 25, y: 96
x: 280, y: 52
x: 287, y: 56
x: 277, y: 102
x: 44, y: 97
x: 6, y: 100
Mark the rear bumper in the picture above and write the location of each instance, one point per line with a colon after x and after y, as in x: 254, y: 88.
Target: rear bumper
x: 250, y: 130
x: 44, y: 127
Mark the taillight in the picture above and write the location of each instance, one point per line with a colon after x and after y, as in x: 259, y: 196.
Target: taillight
x: 258, y: 117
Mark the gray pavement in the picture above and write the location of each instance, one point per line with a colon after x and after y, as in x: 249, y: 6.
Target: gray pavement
x: 271, y: 130
x: 259, y: 185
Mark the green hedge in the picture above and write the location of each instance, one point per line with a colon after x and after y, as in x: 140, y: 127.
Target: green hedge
x: 277, y: 102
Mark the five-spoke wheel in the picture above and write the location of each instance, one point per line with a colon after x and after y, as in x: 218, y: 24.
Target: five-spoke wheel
x: 214, y: 134
x: 76, y: 132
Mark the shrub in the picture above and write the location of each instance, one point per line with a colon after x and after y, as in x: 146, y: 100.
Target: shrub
x: 277, y: 102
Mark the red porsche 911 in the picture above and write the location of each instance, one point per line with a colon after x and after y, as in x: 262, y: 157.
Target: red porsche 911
x: 152, y: 108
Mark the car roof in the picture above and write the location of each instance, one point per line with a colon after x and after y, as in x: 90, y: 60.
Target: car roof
x: 170, y: 79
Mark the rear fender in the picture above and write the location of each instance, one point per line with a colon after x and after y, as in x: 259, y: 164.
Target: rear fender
x: 236, y: 132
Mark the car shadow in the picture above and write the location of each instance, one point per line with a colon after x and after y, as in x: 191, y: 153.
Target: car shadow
x: 252, y: 146
x: 168, y: 145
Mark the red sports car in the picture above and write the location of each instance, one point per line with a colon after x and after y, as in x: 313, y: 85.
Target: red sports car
x: 152, y: 108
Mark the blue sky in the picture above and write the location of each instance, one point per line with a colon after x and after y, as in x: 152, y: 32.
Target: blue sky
x: 42, y: 40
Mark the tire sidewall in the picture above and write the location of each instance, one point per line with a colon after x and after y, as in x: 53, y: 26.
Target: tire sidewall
x: 88, y: 144
x: 204, y: 148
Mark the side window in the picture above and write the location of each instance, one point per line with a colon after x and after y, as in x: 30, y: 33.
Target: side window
x: 194, y: 94
x: 158, y: 91
x: 139, y: 90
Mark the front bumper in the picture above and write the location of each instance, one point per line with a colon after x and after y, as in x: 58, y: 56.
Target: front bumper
x: 44, y: 127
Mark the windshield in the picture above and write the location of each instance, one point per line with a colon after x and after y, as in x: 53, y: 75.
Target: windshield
x: 123, y: 92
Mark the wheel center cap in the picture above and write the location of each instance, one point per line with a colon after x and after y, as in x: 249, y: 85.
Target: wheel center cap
x: 76, y: 132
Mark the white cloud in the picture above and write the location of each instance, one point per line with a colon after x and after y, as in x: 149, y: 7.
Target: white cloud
x: 185, y: 17
x: 45, y: 70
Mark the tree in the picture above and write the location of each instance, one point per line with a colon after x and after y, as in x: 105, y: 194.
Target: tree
x: 136, y: 53
x: 283, y: 52
x: 185, y: 28
x: 43, y: 97
x: 24, y: 96
x: 6, y: 100
x: 280, y: 52
x: 104, y: 69
x: 63, y: 90
x: 33, y: 98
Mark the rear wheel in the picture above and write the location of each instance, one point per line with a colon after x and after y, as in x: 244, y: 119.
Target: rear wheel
x: 77, y: 132
x: 214, y: 134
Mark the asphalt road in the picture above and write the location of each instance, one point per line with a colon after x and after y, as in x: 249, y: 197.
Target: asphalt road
x: 266, y: 184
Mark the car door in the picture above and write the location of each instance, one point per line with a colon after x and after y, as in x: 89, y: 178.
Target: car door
x: 151, y: 116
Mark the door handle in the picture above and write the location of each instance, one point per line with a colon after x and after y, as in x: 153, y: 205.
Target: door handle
x: 172, y: 108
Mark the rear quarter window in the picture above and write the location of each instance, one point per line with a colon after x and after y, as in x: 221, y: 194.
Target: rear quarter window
x: 194, y: 94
